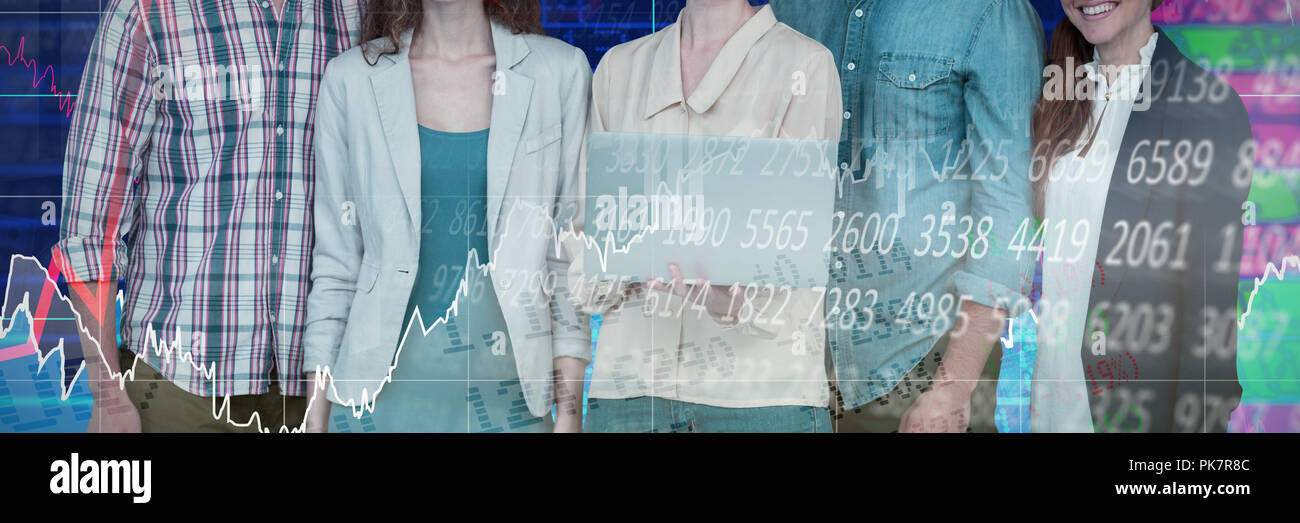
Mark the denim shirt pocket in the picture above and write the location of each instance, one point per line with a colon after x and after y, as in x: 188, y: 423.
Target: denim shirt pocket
x: 913, y: 97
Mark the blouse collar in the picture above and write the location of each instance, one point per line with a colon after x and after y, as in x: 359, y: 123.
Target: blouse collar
x: 1130, y: 75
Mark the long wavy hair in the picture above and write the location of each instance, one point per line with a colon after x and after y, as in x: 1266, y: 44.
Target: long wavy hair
x: 384, y: 21
x: 1059, y: 123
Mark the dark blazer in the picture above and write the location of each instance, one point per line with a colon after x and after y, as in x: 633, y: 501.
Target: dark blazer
x: 1165, y: 297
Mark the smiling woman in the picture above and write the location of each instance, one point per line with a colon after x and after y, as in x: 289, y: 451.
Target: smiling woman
x: 1089, y: 25
x: 1145, y: 167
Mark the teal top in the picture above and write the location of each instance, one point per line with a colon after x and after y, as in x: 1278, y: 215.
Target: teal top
x: 453, y: 187
x: 462, y: 376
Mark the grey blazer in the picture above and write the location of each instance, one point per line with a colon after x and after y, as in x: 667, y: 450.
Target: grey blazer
x: 367, y: 212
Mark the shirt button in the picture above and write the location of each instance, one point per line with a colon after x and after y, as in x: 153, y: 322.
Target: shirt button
x: 911, y: 77
x: 844, y: 166
x: 279, y: 195
x: 266, y: 5
x: 279, y: 130
x: 839, y: 264
x: 858, y: 13
x: 847, y: 115
x: 275, y: 260
x: 282, y: 67
x: 271, y: 316
x: 851, y: 66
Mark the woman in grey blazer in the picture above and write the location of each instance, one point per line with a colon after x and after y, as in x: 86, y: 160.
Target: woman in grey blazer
x: 447, y: 152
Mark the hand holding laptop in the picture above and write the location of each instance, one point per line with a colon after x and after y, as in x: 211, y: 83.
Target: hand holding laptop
x: 720, y: 300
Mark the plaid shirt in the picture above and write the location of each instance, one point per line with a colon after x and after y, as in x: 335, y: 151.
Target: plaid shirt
x: 193, y: 133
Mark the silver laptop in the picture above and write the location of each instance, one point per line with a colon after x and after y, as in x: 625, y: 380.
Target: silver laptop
x: 729, y: 210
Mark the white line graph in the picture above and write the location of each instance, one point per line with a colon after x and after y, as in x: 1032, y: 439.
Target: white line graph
x: 1269, y: 270
x: 178, y: 351
x: 559, y: 234
x: 24, y: 307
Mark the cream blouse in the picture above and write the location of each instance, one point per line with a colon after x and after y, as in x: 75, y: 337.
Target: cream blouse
x: 768, y: 81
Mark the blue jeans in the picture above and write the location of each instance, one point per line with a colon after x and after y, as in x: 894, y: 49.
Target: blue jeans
x: 652, y: 414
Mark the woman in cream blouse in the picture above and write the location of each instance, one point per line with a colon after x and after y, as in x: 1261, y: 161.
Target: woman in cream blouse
x: 724, y: 69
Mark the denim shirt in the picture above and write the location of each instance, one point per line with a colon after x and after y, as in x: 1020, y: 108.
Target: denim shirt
x: 938, y: 97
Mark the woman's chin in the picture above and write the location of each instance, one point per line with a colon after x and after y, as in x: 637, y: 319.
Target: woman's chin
x: 1098, y: 36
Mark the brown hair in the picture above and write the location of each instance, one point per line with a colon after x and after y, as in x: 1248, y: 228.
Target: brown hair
x: 1060, y: 121
x: 388, y: 19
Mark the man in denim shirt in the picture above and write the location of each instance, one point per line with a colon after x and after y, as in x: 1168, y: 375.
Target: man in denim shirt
x: 935, y: 158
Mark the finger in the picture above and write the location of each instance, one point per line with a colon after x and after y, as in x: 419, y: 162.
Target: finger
x: 712, y: 294
x: 736, y: 291
x: 679, y: 284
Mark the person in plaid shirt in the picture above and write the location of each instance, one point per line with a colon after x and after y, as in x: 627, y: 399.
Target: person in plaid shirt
x: 192, y: 135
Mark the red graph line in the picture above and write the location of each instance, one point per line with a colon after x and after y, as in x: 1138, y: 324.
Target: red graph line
x: 66, y: 100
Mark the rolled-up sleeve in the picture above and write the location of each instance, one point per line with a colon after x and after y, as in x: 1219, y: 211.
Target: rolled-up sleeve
x: 107, y: 142
x: 1006, y: 61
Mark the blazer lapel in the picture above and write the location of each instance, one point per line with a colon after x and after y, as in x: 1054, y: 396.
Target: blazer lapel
x: 512, y: 95
x: 1131, y: 202
x: 395, y: 98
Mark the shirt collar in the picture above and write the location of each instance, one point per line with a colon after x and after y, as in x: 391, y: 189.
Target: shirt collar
x: 666, y: 70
